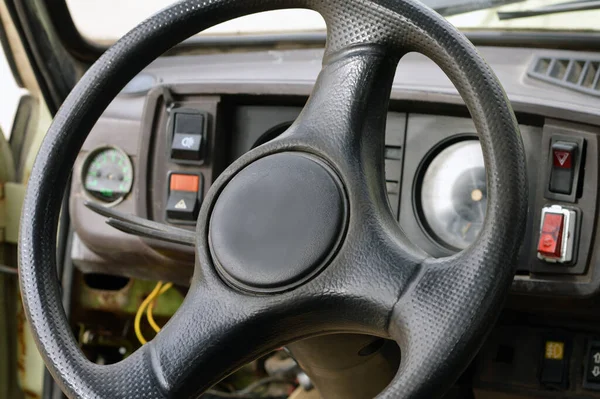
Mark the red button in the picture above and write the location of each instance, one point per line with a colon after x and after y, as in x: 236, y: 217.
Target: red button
x: 184, y: 183
x: 563, y: 159
x: 551, y: 235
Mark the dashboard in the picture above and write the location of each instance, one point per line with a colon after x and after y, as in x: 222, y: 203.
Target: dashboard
x: 185, y: 118
x: 176, y: 126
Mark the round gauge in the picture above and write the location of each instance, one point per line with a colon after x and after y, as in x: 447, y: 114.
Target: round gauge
x: 454, y: 194
x: 107, y: 174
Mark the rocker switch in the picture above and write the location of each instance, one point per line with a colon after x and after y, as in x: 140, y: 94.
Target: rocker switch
x: 564, y: 159
x: 557, y: 234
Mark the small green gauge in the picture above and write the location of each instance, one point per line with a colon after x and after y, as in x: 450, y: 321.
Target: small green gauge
x: 107, y: 174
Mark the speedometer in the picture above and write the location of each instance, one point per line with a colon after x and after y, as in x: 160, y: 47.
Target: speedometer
x: 454, y: 194
x: 107, y: 174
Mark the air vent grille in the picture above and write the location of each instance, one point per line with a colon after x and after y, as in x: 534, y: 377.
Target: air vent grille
x: 577, y: 74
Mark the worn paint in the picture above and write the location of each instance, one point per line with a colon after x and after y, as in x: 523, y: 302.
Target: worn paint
x: 30, y: 394
x: 30, y: 366
x: 21, y: 345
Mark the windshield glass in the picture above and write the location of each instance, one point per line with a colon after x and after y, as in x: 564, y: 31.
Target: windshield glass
x: 101, y: 22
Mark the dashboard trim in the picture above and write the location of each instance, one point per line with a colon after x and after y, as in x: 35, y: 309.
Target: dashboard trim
x: 520, y: 104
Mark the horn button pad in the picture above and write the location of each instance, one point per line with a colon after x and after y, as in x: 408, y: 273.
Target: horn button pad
x: 277, y: 223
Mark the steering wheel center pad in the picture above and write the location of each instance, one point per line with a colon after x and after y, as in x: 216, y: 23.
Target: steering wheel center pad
x: 277, y: 222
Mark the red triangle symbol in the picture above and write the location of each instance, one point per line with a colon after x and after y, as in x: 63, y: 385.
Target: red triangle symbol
x: 562, y: 157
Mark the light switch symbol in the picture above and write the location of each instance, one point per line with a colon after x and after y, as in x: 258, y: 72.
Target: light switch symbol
x: 555, y: 350
x: 188, y: 142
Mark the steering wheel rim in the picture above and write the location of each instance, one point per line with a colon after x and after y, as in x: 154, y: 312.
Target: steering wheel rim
x: 439, y: 311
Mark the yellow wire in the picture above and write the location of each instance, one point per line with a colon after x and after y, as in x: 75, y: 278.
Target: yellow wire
x: 149, y: 314
x: 140, y: 312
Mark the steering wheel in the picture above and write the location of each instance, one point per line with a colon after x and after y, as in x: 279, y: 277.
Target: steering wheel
x: 296, y: 239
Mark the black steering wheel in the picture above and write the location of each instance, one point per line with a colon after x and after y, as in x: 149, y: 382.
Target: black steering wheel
x: 295, y: 239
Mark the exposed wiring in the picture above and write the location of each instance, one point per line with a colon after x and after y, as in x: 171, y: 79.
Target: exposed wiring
x: 149, y: 314
x: 248, y: 392
x: 140, y: 312
x: 252, y: 387
x: 211, y: 393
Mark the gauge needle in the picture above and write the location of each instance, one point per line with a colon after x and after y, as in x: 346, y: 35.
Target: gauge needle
x: 135, y: 225
x: 466, y: 229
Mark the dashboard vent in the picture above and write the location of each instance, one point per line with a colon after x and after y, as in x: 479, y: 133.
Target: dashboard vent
x: 577, y: 74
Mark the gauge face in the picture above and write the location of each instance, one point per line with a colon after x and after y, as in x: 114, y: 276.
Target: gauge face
x: 454, y: 194
x: 107, y: 174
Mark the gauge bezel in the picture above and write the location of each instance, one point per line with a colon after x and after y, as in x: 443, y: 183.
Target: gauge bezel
x: 85, y: 165
x: 418, y: 186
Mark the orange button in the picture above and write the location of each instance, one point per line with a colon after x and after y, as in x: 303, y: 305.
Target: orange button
x: 185, y: 183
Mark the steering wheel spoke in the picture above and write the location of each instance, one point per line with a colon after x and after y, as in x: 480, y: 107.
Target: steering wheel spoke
x: 215, y: 331
x: 344, y: 119
x: 219, y: 329
x: 434, y: 321
x: 348, y: 106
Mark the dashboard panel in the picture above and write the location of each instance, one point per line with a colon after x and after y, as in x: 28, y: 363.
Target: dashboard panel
x: 244, y: 99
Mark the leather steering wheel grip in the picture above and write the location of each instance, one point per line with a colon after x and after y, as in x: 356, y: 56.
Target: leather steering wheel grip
x: 439, y: 315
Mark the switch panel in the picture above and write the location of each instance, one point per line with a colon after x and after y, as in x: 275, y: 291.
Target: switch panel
x: 187, y: 135
x: 564, y: 158
x: 184, y: 198
x: 557, y: 234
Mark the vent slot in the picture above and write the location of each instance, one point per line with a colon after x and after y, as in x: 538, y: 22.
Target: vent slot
x: 542, y: 66
x: 590, y: 74
x: 575, y: 70
x: 577, y: 74
x: 559, y: 69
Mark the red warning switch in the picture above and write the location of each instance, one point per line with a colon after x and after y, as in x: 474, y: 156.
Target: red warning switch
x: 563, y: 158
x: 551, y: 235
x: 564, y: 161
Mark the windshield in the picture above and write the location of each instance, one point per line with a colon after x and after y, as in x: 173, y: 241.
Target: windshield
x: 100, y: 22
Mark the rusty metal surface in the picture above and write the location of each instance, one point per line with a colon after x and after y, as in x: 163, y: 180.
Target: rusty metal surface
x: 30, y: 368
x: 127, y: 299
